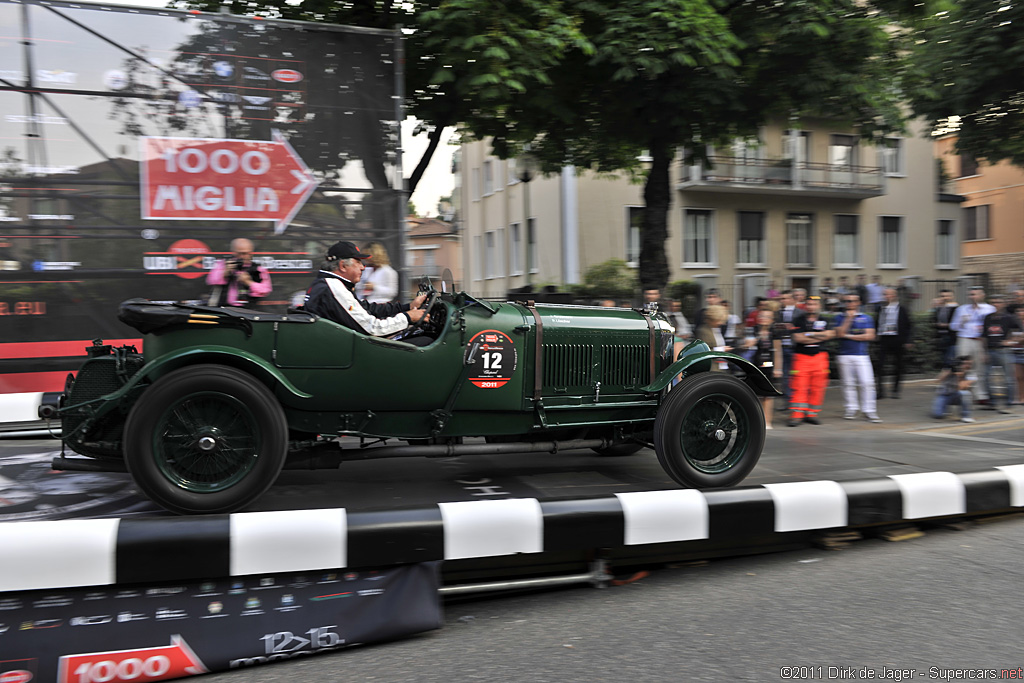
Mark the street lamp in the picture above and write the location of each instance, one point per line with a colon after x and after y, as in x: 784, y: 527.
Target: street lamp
x: 527, y: 167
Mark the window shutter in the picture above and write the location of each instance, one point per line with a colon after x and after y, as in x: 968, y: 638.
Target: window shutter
x: 846, y: 225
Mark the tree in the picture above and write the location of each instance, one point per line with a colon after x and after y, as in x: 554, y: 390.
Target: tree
x: 600, y: 83
x: 669, y: 74
x: 966, y: 62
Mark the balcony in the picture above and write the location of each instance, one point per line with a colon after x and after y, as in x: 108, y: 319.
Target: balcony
x: 783, y: 177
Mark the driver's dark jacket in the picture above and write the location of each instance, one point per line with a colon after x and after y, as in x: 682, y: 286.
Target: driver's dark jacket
x: 333, y: 297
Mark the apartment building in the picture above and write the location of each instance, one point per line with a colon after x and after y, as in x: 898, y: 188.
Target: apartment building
x: 993, y: 219
x: 791, y: 208
x: 432, y: 246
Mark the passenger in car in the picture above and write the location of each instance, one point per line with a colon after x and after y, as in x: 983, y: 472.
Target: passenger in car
x: 332, y: 296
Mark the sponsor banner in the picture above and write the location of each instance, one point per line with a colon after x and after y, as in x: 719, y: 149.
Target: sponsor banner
x: 155, y: 633
x: 222, y: 179
x: 192, y: 259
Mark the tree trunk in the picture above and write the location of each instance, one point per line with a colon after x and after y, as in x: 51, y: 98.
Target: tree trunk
x: 432, y: 141
x: 654, y: 228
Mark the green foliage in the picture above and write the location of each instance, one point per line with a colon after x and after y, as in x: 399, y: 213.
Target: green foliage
x: 924, y: 358
x: 689, y: 73
x: 597, y: 83
x: 612, y: 279
x: 687, y: 293
x: 966, y: 61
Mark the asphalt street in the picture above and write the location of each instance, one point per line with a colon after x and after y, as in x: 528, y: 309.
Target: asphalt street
x: 919, y: 610
x: 913, y: 610
x: 907, y: 441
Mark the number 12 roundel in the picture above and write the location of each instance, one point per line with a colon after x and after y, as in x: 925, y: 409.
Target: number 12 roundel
x: 492, y: 358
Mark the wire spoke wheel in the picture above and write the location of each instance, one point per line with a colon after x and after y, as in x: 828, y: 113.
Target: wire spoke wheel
x: 206, y: 442
x: 714, y: 434
x: 205, y: 439
x: 709, y: 432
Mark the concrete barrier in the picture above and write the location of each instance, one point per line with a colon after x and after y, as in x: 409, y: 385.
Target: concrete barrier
x: 97, y: 552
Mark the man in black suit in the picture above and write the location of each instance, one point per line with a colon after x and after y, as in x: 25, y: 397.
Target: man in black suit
x: 942, y: 315
x: 892, y: 328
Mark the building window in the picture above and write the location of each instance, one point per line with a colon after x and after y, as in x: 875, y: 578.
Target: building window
x: 478, y: 256
x: 698, y: 237
x: 799, y: 239
x: 845, y: 241
x: 976, y: 222
x: 516, y: 257
x: 634, y: 218
x: 751, y: 238
x: 489, y: 255
x: 511, y: 167
x: 488, y: 177
x: 945, y: 244
x: 890, y: 241
x: 796, y: 145
x: 531, y: 245
x: 968, y: 165
x: 842, y: 150
x: 892, y: 160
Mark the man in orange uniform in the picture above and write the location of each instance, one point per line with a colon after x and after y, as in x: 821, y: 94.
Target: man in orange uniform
x: 810, y: 363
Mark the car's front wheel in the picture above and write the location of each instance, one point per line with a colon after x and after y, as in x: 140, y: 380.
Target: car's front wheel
x: 205, y: 439
x: 709, y: 432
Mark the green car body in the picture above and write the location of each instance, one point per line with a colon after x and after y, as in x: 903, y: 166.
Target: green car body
x: 223, y: 398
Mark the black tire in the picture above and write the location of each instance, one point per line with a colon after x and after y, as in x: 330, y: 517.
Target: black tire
x: 709, y: 432
x: 618, y: 450
x: 205, y: 439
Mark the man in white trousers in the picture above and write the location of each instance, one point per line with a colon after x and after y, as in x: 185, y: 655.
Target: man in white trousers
x: 854, y: 331
x: 969, y: 324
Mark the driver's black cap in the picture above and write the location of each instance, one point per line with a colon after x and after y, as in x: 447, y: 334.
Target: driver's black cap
x: 343, y: 250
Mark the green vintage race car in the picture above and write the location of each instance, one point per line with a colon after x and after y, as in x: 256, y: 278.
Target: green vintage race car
x: 223, y: 399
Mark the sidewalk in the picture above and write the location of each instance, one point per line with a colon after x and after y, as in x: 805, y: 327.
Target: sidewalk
x: 911, y: 412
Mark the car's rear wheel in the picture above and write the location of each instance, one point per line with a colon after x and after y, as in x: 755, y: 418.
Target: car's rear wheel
x: 709, y: 432
x: 205, y: 439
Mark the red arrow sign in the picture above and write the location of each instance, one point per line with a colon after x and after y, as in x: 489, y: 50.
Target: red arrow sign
x: 147, y: 664
x: 194, y: 179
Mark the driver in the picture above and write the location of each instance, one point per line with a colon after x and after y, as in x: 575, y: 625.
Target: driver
x: 332, y: 296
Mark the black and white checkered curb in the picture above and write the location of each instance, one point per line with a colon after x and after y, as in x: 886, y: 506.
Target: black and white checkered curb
x: 43, y: 555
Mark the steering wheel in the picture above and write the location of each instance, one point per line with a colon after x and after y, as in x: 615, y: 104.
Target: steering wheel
x: 432, y: 297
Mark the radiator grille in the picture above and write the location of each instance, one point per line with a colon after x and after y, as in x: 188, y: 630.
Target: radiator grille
x: 575, y: 366
x: 624, y: 365
x: 95, y: 379
x: 568, y: 365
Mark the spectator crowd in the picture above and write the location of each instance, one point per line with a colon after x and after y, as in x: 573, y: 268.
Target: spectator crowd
x: 866, y: 331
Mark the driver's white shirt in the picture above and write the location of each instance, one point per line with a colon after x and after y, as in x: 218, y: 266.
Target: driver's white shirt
x: 377, y: 327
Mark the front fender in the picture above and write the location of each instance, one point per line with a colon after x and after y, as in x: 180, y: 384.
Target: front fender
x: 697, y: 358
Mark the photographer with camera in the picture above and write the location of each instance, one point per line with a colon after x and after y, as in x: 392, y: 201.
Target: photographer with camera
x: 238, y: 280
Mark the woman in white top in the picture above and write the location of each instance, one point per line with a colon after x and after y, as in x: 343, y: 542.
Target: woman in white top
x: 380, y: 280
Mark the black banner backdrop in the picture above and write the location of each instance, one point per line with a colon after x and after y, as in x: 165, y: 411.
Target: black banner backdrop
x: 151, y: 633
x: 81, y: 86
